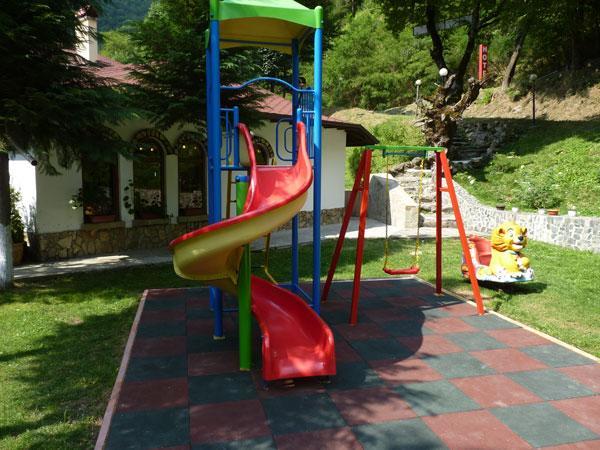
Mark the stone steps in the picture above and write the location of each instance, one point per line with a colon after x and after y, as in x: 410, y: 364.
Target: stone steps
x: 428, y: 220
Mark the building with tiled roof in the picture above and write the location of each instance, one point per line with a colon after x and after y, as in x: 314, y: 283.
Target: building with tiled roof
x: 146, y: 201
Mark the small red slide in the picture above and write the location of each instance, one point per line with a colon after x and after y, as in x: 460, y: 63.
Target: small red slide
x: 296, y: 342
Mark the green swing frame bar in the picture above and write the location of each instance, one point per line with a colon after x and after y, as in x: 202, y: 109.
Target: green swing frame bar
x: 361, y: 184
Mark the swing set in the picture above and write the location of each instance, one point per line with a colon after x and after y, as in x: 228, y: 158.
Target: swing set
x: 361, y: 184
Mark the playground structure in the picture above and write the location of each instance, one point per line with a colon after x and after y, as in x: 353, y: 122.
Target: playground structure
x: 296, y: 341
x: 361, y: 184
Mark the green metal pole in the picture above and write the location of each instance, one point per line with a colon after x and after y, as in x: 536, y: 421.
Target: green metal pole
x: 244, y: 294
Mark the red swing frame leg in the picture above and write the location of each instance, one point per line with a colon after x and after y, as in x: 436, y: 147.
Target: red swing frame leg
x: 459, y: 224
x: 360, y: 244
x: 356, y: 188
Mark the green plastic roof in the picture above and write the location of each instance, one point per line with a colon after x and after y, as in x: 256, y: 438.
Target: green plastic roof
x: 264, y: 23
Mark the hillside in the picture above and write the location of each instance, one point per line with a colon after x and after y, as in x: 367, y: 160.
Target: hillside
x: 118, y: 12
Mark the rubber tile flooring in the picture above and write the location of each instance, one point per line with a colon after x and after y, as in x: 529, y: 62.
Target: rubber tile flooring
x: 417, y: 372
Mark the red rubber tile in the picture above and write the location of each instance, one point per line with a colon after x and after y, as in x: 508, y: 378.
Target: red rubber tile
x: 585, y: 410
x: 164, y: 346
x: 212, y: 363
x: 492, y: 391
x: 460, y: 310
x: 448, y: 325
x: 387, y: 315
x: 517, y: 337
x: 586, y: 375
x: 407, y: 371
x: 179, y: 447
x: 200, y: 327
x: 474, y: 429
x: 371, y: 405
x: 508, y: 360
x: 229, y: 421
x: 344, y: 352
x: 406, y: 302
x: 156, y: 394
x: 331, y: 439
x: 162, y: 315
x: 361, y: 331
x: 429, y: 345
x: 584, y: 445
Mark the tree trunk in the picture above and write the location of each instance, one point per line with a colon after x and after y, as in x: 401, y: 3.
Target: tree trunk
x: 509, y: 72
x: 437, y: 51
x: 6, y: 264
x: 461, y: 71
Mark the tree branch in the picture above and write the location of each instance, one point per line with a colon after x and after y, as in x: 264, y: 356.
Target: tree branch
x: 437, y: 52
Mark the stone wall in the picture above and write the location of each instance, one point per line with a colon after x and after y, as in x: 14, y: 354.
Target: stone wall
x: 581, y: 233
x: 95, y: 239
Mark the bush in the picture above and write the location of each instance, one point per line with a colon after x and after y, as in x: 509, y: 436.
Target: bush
x: 540, y: 191
x: 16, y: 222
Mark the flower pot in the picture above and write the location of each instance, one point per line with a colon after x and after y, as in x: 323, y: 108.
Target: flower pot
x: 500, y: 207
x: 102, y: 218
x: 515, y: 209
x: 553, y: 212
x: 147, y: 215
x: 191, y: 212
x: 571, y: 213
x: 17, y: 253
x: 541, y: 211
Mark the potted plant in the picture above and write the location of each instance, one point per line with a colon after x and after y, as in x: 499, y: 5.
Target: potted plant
x: 572, y: 211
x: 553, y: 212
x: 17, y: 228
x: 191, y: 207
x: 500, y: 206
x: 98, y: 206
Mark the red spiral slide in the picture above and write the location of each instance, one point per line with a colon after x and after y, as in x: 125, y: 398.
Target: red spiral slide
x: 296, y: 341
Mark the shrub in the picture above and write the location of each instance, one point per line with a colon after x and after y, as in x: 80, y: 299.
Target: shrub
x: 540, y: 191
x: 16, y: 222
x: 485, y: 96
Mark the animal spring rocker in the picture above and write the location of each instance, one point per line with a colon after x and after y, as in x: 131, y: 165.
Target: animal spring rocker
x: 500, y: 259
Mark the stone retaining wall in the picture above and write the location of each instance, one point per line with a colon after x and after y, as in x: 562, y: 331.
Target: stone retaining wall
x: 115, y: 237
x: 581, y: 233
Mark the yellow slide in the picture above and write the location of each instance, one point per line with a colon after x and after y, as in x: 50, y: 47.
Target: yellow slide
x: 212, y: 254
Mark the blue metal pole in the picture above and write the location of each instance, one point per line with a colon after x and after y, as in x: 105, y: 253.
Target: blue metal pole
x: 318, y: 74
x: 214, y: 156
x: 295, y: 104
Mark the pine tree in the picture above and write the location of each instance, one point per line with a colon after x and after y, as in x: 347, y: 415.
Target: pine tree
x: 53, y: 108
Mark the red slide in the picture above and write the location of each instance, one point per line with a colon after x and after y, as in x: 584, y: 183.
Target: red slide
x: 296, y: 341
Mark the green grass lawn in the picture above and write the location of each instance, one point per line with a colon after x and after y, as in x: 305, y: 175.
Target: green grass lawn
x: 61, y: 339
x: 555, y: 164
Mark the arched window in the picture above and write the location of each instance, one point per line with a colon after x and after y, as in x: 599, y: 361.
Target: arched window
x: 98, y: 195
x: 149, y: 175
x: 263, y: 151
x: 191, y: 148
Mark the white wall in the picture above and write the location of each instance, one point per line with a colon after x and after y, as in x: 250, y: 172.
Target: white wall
x: 50, y: 195
x: 54, y: 213
x: 22, y: 179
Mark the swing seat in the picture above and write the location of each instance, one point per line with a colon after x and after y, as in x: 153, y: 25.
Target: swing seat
x: 413, y: 270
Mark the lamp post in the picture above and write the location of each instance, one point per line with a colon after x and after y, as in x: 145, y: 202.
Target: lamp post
x: 443, y: 73
x: 532, y: 79
x: 417, y: 84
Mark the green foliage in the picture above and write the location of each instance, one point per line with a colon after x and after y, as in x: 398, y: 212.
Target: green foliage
x: 169, y: 51
x: 117, y: 45
x: 17, y: 227
x: 555, y: 164
x: 368, y: 67
x: 119, y: 12
x: 539, y: 190
x: 51, y: 100
x: 485, y: 96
